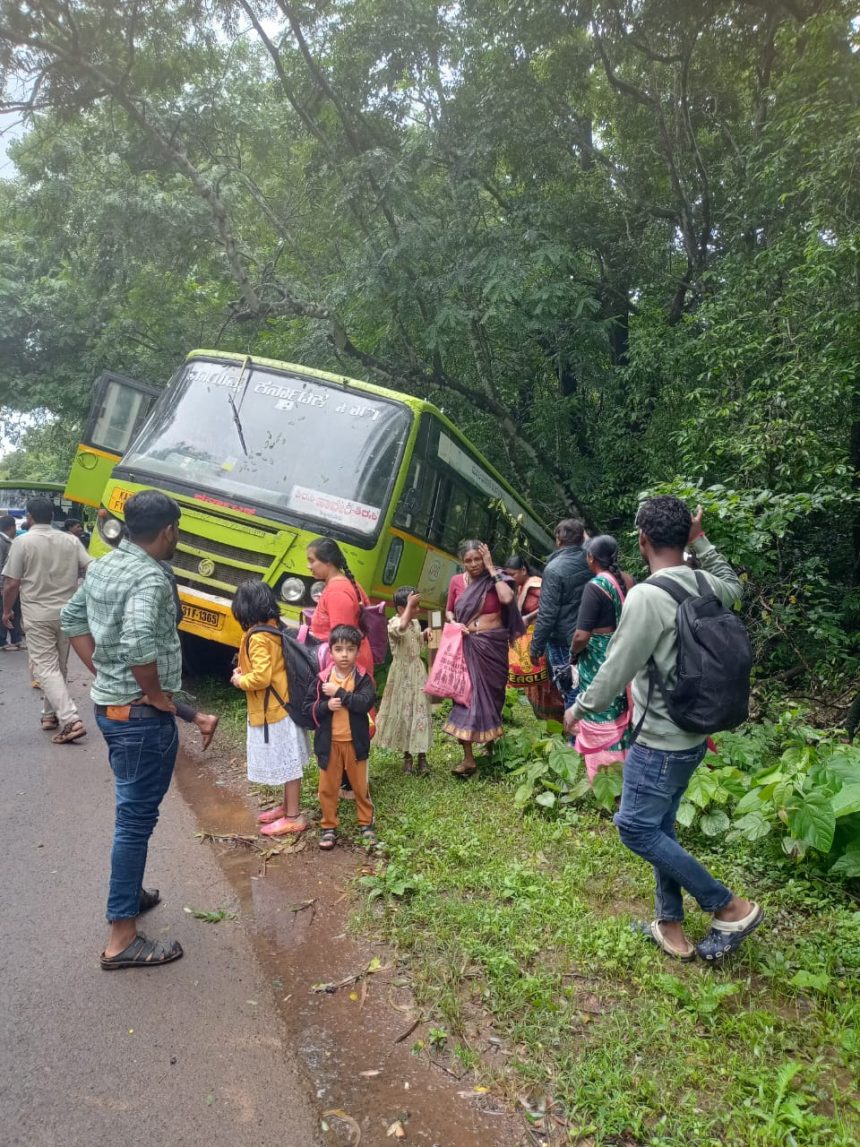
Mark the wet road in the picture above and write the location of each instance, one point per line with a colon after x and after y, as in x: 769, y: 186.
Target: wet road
x: 186, y: 1054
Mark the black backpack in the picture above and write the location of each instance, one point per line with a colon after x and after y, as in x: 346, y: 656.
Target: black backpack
x: 714, y: 660
x: 302, y: 668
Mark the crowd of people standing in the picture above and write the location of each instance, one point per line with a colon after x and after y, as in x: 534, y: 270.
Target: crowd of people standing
x: 586, y: 633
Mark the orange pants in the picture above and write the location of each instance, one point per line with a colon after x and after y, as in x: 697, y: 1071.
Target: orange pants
x: 342, y: 760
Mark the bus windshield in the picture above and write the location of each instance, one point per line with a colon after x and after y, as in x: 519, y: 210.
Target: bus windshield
x: 283, y: 441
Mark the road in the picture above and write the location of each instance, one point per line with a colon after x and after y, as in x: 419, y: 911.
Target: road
x: 192, y: 1053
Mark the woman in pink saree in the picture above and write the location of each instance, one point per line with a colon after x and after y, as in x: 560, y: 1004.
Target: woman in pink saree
x: 604, y: 737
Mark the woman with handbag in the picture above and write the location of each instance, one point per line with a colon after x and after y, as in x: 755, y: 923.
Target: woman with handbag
x: 482, y: 602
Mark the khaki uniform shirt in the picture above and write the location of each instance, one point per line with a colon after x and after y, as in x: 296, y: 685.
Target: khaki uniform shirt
x: 48, y: 564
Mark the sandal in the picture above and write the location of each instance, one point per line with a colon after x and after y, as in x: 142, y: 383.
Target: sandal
x: 50, y: 723
x: 407, y: 763
x: 142, y: 953
x: 148, y: 899
x: 463, y: 772
x: 726, y: 936
x: 656, y: 933
x: 368, y: 837
x: 271, y: 815
x: 328, y: 839
x: 423, y: 766
x: 284, y: 825
x: 71, y: 732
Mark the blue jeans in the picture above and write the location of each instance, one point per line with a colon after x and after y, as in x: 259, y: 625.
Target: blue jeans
x: 654, y: 782
x: 142, y: 755
x: 558, y: 656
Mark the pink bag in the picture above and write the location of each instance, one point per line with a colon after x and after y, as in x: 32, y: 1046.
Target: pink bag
x: 449, y: 676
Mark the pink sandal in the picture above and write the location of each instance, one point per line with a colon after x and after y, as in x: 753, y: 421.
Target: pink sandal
x: 271, y: 815
x: 284, y: 826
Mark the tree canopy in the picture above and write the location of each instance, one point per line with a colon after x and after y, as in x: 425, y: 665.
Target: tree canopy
x: 618, y: 242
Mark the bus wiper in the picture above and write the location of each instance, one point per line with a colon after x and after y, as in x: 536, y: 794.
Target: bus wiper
x: 238, y: 422
x: 235, y: 410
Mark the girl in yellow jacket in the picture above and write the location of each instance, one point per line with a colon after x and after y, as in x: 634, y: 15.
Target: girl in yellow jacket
x: 277, y: 749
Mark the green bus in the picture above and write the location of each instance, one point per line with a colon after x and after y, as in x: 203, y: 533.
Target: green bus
x: 264, y: 456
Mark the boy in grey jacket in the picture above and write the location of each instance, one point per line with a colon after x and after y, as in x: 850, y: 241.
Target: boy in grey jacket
x: 658, y: 767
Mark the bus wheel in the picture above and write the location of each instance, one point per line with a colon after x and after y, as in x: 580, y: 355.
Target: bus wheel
x: 202, y: 658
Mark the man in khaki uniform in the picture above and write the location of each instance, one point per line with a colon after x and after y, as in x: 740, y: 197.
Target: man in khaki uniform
x: 43, y: 567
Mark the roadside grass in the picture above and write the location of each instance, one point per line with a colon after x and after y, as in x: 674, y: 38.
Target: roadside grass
x: 517, y: 931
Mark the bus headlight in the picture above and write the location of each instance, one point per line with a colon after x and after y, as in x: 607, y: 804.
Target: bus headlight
x: 317, y: 590
x: 292, y: 589
x: 110, y: 528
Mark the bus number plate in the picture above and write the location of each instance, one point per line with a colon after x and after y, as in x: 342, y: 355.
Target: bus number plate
x: 208, y: 618
x: 118, y: 499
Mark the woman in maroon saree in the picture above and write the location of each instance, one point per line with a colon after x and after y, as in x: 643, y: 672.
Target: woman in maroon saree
x: 483, y: 601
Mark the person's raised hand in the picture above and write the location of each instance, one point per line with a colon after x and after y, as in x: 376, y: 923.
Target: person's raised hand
x: 696, y: 530
x: 413, y: 602
x: 486, y: 556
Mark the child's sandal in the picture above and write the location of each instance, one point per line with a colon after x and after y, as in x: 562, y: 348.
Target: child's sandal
x: 407, y: 763
x: 368, y: 837
x: 328, y: 838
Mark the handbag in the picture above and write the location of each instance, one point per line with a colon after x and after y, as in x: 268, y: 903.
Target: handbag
x: 449, y: 676
x: 522, y: 671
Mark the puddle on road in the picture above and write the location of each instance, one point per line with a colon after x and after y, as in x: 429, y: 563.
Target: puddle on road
x: 336, y: 1037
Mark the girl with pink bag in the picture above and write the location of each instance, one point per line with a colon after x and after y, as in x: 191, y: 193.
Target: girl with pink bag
x: 604, y: 737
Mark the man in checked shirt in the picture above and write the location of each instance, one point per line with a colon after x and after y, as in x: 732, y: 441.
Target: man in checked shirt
x: 122, y: 624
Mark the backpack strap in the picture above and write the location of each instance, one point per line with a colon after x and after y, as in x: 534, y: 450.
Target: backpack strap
x: 679, y: 595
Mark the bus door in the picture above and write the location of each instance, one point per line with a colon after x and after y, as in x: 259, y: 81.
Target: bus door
x: 120, y: 406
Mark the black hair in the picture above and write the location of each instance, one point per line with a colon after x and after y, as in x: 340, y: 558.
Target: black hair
x: 665, y: 522
x: 466, y: 545
x: 255, y: 603
x: 345, y: 635
x: 518, y: 562
x: 6, y: 521
x: 147, y: 513
x: 41, y: 510
x: 402, y: 595
x: 570, y: 532
x: 327, y: 550
x: 604, y: 550
x: 69, y: 522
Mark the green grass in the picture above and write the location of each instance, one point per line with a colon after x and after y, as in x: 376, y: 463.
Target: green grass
x: 516, y: 928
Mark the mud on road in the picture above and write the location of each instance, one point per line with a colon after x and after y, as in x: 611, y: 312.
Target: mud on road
x: 355, y: 1039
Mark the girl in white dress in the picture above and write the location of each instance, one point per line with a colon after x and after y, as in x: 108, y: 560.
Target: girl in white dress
x: 277, y: 748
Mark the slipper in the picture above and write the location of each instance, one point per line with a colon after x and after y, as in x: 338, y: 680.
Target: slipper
x: 73, y: 731
x: 368, y: 837
x: 142, y: 953
x: 148, y: 899
x: 50, y: 723
x: 347, y: 795
x: 726, y: 936
x: 271, y: 815
x: 660, y: 940
x: 284, y: 825
x: 328, y: 839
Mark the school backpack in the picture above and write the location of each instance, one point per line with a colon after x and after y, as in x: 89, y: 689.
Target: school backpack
x: 713, y: 662
x: 302, y: 668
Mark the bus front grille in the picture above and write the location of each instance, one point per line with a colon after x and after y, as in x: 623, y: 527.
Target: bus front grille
x: 187, y: 569
x: 216, y: 549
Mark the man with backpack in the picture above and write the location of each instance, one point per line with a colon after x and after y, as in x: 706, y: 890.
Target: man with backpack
x: 688, y: 658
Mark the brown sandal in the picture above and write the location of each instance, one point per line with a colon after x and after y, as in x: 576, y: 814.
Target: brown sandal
x: 50, y: 723
x: 71, y: 732
x: 143, y: 953
x: 463, y: 772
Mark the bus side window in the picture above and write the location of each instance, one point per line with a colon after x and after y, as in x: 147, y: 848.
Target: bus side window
x: 454, y: 524
x: 478, y: 519
x: 415, y: 508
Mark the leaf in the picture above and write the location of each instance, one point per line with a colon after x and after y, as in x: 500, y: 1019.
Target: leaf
x: 813, y: 821
x: 686, y: 813
x: 606, y: 787
x: 714, y: 823
x: 820, y: 981
x: 846, y: 801
x: 754, y: 825
x: 545, y: 799
x: 848, y: 865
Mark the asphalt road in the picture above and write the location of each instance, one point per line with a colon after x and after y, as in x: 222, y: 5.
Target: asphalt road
x: 192, y: 1053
